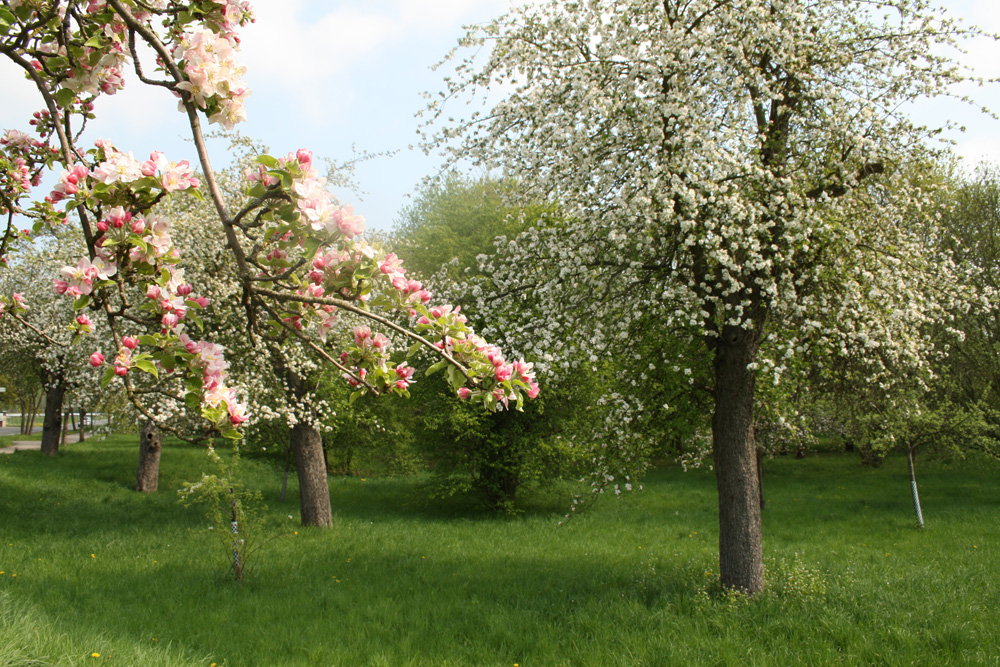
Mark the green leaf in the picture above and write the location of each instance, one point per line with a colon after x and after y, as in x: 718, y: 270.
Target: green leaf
x: 147, y: 366
x: 109, y: 375
x: 232, y: 434
x: 413, y: 349
x: 65, y: 97
x: 267, y: 161
x: 168, y: 361
x: 455, y: 378
x: 148, y: 340
x: 355, y: 396
x: 192, y: 400
x: 311, y: 245
x: 436, y: 367
x: 82, y: 302
x: 94, y: 42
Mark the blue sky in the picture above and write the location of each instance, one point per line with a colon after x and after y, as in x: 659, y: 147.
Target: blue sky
x: 335, y: 75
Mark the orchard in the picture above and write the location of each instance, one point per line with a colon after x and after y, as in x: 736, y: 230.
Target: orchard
x: 706, y: 232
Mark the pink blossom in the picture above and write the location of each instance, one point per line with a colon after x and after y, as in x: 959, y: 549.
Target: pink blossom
x: 533, y: 390
x: 381, y: 343
x: 503, y: 372
x: 237, y: 412
x: 524, y: 370
x: 501, y: 396
x: 350, y: 225
x: 361, y: 336
x: 118, y: 168
x: 391, y: 265
x: 117, y: 217
x: 123, y: 361
x: 464, y: 392
x: 131, y: 342
x: 69, y: 182
x: 150, y: 166
x: 96, y: 359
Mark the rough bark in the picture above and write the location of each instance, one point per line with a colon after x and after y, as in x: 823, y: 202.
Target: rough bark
x: 306, y: 444
x: 83, y: 422
x: 147, y: 476
x: 52, y: 426
x: 740, y: 547
x: 314, y: 488
x: 760, y: 476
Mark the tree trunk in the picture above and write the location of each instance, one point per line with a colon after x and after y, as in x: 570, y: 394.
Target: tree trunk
x: 147, y: 477
x: 760, y: 476
x: 741, y: 562
x: 83, y: 421
x: 52, y: 426
x: 29, y: 410
x: 913, y: 487
x: 314, y: 489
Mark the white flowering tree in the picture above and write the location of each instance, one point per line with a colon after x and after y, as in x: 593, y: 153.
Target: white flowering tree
x: 41, y: 340
x: 732, y: 177
x: 300, y: 261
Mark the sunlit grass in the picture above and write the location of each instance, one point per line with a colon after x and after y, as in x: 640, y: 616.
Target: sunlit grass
x: 93, y: 567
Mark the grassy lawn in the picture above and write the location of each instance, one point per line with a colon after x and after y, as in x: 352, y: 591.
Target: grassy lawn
x: 89, y: 566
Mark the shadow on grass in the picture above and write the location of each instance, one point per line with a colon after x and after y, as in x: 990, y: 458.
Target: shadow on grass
x: 317, y: 605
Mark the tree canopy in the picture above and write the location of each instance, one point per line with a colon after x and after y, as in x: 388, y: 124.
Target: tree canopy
x: 735, y: 172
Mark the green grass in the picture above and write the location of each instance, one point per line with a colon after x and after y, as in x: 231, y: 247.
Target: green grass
x: 89, y: 566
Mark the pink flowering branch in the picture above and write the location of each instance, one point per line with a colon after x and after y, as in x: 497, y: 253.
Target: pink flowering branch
x: 348, y: 306
x: 320, y: 351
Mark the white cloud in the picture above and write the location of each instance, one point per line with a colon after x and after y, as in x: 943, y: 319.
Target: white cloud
x: 286, y: 41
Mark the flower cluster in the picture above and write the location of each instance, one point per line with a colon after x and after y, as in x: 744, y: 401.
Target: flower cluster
x: 137, y: 249
x: 21, y: 158
x: 214, y: 77
x: 307, y: 264
x: 306, y: 228
x: 14, y: 305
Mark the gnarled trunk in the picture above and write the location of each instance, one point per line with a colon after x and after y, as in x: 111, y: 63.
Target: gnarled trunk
x: 55, y: 390
x: 314, y: 488
x: 147, y: 477
x: 741, y: 562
